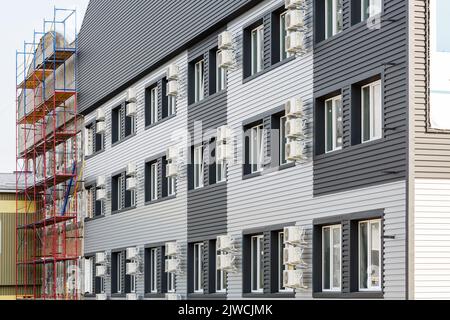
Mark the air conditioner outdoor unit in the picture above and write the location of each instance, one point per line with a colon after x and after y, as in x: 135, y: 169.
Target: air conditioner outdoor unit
x: 131, y: 109
x: 132, y: 253
x: 293, y: 279
x: 225, y: 59
x: 132, y: 268
x: 223, y: 134
x: 131, y: 184
x: 100, y: 127
x: 172, y: 265
x: 131, y: 296
x: 101, y: 296
x: 100, y: 194
x: 224, y: 152
x: 294, y: 151
x: 173, y: 296
x: 172, y: 153
x: 294, y: 4
x: 295, y: 42
x: 225, y: 262
x: 225, y: 40
x: 100, y: 257
x: 295, y: 19
x: 100, y: 114
x: 100, y: 271
x: 293, y: 256
x: 294, y: 108
x: 225, y: 243
x: 294, y: 235
x: 173, y: 72
x: 131, y: 169
x: 171, y: 249
x: 131, y: 95
x: 171, y: 170
x: 101, y: 181
x: 294, y: 128
x: 172, y: 88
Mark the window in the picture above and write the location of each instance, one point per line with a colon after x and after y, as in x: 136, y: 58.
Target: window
x: 333, y: 124
x: 88, y: 275
x: 117, y: 191
x: 168, y: 183
x: 118, y: 272
x: 132, y: 279
x: 198, y: 268
x: 171, y: 281
x: 331, y: 258
x: 117, y: 117
x: 89, y: 140
x: 439, y: 48
x: 371, y: 112
x: 256, y: 148
x: 369, y: 247
x: 221, y: 171
x: 370, y: 8
x: 257, y: 263
x: 154, y: 181
x: 221, y: 75
x: 199, y: 81
x: 154, y: 105
x: 333, y: 17
x: 198, y: 167
x: 257, y: 49
x: 221, y: 276
x: 283, y: 33
x: 94, y: 142
x: 153, y: 270
x: 171, y: 105
x: 283, y: 140
x: 94, y: 207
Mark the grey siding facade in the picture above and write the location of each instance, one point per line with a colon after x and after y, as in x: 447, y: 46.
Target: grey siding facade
x: 356, y: 54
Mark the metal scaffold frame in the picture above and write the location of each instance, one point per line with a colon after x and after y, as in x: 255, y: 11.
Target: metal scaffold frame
x: 49, y: 163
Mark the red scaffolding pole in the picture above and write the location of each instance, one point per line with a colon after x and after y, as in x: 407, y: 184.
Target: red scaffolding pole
x: 48, y: 228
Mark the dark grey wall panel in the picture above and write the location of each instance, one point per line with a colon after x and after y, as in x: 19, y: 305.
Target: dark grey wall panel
x: 121, y: 41
x: 354, y: 55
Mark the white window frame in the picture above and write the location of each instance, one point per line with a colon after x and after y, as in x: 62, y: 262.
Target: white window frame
x: 171, y: 183
x: 154, y: 105
x: 154, y: 181
x: 283, y: 141
x: 132, y: 283
x: 373, y: 112
x: 372, y: 5
x: 119, y: 124
x: 221, y: 275
x: 154, y: 270
x: 198, y: 167
x: 256, y: 148
x: 90, y: 205
x: 199, y: 80
x: 257, y: 35
x: 89, y: 140
x: 331, y: 258
x: 221, y: 75
x: 171, y: 105
x: 259, y: 272
x: 284, y: 54
x: 369, y: 254
x: 335, y: 122
x: 171, y: 282
x: 120, y: 181
x: 198, y: 267
x: 335, y: 19
x: 133, y: 198
x: 221, y: 171
x: 88, y: 273
x: 119, y: 266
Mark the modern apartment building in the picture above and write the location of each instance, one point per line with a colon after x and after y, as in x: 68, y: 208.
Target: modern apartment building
x: 266, y: 149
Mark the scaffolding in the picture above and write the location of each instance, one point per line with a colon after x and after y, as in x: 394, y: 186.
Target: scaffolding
x: 49, y: 163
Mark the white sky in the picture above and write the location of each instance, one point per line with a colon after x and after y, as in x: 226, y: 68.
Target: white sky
x: 18, y: 20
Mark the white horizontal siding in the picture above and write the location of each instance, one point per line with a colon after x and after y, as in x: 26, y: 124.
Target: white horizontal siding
x: 432, y: 239
x: 160, y: 222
